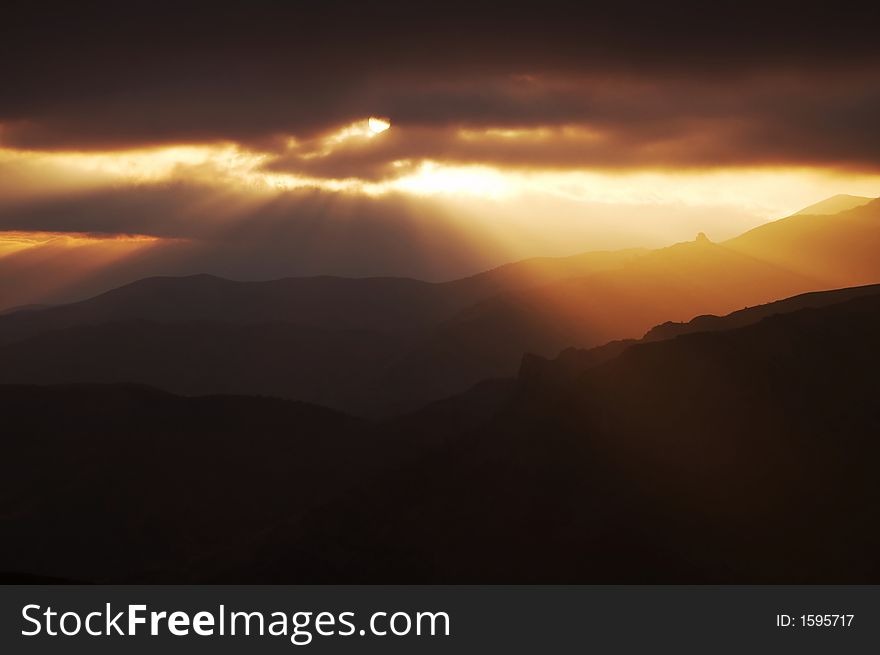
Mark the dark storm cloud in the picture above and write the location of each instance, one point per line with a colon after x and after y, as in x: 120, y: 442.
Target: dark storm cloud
x: 173, y: 210
x: 629, y: 124
x: 108, y: 75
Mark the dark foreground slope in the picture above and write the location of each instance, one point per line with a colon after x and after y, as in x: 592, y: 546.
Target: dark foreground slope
x: 121, y: 482
x: 740, y: 456
x: 128, y: 483
x: 743, y: 455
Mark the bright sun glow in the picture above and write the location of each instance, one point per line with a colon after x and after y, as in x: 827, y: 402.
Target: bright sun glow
x: 765, y: 193
x: 432, y: 178
x: 378, y: 125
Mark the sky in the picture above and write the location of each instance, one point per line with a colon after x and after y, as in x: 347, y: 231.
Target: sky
x: 263, y: 139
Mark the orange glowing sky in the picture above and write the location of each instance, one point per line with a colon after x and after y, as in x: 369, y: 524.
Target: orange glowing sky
x: 756, y: 192
x: 83, y: 206
x: 280, y: 142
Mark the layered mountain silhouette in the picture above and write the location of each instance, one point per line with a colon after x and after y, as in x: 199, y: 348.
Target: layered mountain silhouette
x: 742, y: 453
x: 331, y: 341
x: 737, y: 456
x: 396, y: 305
x: 553, y: 420
x: 381, y: 346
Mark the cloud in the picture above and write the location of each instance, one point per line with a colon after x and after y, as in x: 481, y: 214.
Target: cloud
x: 661, y: 83
x: 769, y: 121
x: 200, y: 228
x: 202, y: 221
x: 243, y: 234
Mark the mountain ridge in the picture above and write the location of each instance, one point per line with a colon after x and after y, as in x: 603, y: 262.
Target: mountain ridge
x: 685, y: 459
x: 409, y: 342
x: 835, y: 204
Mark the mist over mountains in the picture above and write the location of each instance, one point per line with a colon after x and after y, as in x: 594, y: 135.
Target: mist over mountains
x: 380, y: 346
x: 700, y: 413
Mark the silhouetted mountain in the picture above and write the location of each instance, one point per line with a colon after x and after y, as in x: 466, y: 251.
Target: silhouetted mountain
x: 333, y: 367
x: 488, y: 339
x: 836, y: 250
x: 375, y: 347
x: 324, y: 340
x: 142, y: 485
x: 743, y: 455
x: 835, y: 204
x: 394, y: 305
x: 569, y: 364
x: 682, y: 281
x: 749, y: 315
x: 103, y: 482
x: 378, y: 347
x: 23, y: 308
x: 738, y: 456
x: 385, y: 304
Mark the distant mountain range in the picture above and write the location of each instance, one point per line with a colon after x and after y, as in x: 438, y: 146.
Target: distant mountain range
x: 381, y: 346
x: 835, y: 204
x: 701, y: 413
x: 836, y: 250
x: 741, y: 453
